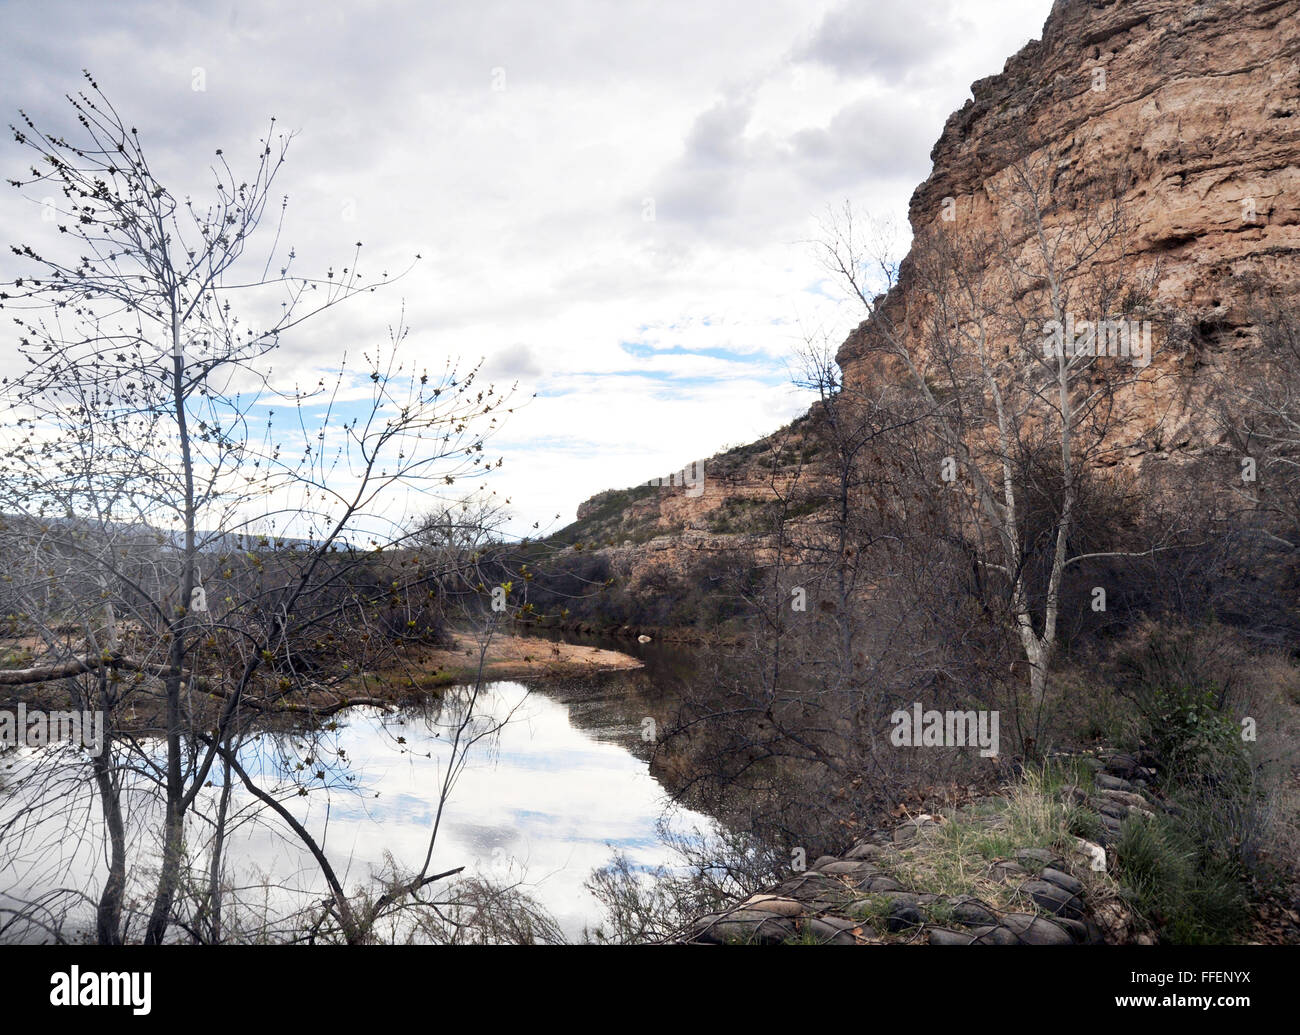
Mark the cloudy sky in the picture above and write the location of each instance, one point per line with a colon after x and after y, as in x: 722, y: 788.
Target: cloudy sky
x: 613, y: 201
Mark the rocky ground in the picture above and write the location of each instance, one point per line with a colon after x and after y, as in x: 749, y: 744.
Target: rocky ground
x: 959, y: 878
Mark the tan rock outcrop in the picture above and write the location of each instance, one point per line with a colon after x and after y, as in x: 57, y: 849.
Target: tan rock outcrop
x: 1191, y: 113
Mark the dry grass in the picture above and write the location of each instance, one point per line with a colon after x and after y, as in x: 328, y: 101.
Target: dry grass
x: 957, y: 858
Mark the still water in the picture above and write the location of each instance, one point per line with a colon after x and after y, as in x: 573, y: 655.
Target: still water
x: 555, y: 782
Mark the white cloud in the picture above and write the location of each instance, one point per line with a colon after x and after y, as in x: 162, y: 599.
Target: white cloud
x: 527, y: 203
x: 886, y: 40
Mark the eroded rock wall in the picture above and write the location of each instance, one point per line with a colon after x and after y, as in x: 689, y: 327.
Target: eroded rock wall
x: 1190, y: 113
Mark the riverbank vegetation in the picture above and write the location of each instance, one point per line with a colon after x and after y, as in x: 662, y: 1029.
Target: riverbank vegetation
x: 970, y: 536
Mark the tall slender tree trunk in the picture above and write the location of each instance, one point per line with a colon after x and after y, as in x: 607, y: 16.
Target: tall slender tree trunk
x: 108, y: 914
x: 218, y: 848
x: 174, y: 825
x: 173, y: 842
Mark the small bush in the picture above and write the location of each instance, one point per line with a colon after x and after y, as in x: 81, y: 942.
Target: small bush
x: 1192, y: 738
x: 1191, y: 893
x: 1188, y: 871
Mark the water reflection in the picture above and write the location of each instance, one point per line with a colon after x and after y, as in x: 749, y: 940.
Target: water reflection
x: 537, y: 796
x: 552, y: 784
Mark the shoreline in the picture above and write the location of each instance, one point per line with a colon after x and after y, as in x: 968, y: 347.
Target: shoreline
x: 511, y: 656
x: 671, y: 634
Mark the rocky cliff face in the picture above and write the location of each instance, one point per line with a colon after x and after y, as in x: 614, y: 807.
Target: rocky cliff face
x: 731, y: 493
x: 1190, y: 112
x: 667, y: 540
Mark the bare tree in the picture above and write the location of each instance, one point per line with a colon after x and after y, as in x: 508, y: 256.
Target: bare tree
x: 981, y: 324
x: 856, y: 588
x: 197, y: 543
x: 1257, y: 406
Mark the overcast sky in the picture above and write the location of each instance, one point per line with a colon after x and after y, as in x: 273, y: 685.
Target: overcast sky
x: 613, y: 201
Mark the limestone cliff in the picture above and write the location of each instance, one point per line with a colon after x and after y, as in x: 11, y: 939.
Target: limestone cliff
x: 1190, y: 113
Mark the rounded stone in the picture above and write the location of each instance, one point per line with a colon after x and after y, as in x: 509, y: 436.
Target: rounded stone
x: 971, y: 912
x: 903, y: 916
x: 1054, y: 900
x: 1062, y: 880
x: 1034, y: 930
